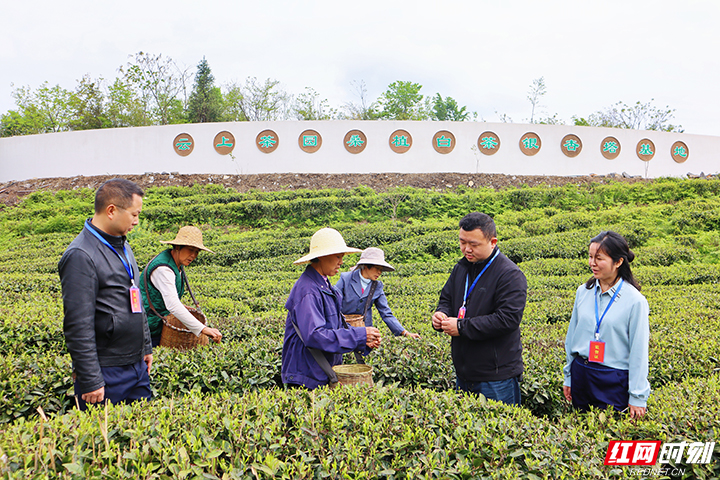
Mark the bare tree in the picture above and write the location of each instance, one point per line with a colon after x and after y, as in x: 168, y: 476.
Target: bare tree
x: 504, y: 118
x: 639, y: 116
x: 537, y: 91
x: 359, y: 111
x: 256, y: 101
x: 309, y: 106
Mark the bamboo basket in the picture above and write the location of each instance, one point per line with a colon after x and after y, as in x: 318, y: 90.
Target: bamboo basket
x: 175, y: 335
x: 354, y: 374
x: 355, y: 320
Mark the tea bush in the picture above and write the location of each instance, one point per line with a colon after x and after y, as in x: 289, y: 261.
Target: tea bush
x: 386, y: 432
x: 220, y: 410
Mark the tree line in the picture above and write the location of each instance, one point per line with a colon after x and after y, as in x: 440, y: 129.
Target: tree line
x: 154, y: 90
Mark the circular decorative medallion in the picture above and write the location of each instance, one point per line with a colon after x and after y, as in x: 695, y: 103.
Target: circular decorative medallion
x: 310, y: 141
x: 679, y: 151
x: 610, y: 148
x: 571, y: 145
x: 443, y: 142
x: 267, y: 141
x: 488, y: 143
x: 400, y: 141
x: 224, y: 142
x: 645, y: 149
x: 183, y: 144
x: 355, y: 141
x: 530, y: 144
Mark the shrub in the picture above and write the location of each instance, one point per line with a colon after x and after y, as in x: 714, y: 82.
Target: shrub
x: 218, y: 409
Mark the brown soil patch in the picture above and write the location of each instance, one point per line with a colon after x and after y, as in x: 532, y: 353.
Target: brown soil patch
x: 12, y: 192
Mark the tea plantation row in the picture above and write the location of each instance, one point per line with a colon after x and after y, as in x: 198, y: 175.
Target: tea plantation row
x: 387, y: 432
x: 221, y: 410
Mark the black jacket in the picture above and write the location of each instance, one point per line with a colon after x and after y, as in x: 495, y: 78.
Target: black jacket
x: 488, y: 348
x: 100, y: 330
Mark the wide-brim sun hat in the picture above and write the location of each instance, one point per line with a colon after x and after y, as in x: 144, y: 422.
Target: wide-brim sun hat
x: 188, y: 236
x: 374, y: 256
x: 326, y: 241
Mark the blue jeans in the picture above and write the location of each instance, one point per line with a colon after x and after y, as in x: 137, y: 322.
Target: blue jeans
x: 506, y: 391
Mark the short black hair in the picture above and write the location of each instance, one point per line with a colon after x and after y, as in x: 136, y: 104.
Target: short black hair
x: 118, y: 192
x: 484, y: 222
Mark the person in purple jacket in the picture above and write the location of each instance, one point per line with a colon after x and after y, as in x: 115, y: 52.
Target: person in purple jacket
x: 314, y: 313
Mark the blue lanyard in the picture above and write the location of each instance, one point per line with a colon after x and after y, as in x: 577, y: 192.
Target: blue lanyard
x: 467, y: 278
x: 598, y: 318
x: 122, y: 259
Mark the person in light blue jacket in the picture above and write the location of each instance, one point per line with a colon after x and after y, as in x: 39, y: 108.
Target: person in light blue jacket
x: 607, y: 339
x: 357, y: 284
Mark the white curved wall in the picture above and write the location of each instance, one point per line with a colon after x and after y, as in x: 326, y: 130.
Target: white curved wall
x: 150, y: 149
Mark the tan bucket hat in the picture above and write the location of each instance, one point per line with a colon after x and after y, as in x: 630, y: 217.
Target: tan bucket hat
x: 188, y: 236
x: 326, y: 241
x: 374, y: 256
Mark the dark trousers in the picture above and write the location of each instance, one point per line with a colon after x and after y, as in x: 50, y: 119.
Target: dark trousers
x: 124, y: 384
x: 506, y: 391
x: 597, y: 385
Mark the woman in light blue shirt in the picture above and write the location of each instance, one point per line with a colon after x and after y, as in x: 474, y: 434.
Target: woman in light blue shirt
x: 607, y: 339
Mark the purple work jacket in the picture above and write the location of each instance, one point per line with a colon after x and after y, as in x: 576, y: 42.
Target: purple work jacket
x: 315, y: 308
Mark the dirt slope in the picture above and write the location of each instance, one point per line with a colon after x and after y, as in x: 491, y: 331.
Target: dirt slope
x: 12, y: 192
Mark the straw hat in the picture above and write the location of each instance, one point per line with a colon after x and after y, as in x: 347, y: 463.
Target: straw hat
x: 189, y: 236
x: 374, y: 256
x: 326, y: 241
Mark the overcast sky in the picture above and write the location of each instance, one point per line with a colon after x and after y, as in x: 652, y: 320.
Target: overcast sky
x: 485, y: 54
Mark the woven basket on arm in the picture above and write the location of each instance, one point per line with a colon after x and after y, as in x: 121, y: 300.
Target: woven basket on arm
x: 355, y: 320
x: 175, y: 335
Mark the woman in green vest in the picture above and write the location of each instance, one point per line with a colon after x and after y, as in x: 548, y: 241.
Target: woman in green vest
x: 165, y: 286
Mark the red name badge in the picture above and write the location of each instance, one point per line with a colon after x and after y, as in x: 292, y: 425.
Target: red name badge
x: 597, y: 351
x: 461, y: 312
x: 135, y: 302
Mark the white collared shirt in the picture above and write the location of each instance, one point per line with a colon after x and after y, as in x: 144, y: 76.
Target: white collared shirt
x: 163, y: 278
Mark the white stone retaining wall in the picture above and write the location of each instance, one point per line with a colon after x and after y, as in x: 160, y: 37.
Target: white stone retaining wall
x: 153, y: 149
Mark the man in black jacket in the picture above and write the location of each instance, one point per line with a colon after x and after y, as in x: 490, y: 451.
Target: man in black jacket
x: 481, y: 306
x: 105, y: 328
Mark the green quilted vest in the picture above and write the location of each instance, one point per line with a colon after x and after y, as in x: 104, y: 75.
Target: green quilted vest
x: 154, y: 321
